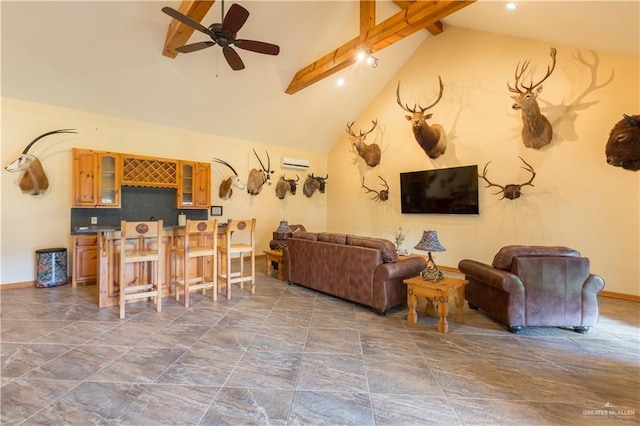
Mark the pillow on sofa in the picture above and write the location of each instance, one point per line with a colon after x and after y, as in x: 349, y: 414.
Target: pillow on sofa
x: 386, y: 247
x: 504, y: 257
x: 329, y: 237
x: 303, y: 235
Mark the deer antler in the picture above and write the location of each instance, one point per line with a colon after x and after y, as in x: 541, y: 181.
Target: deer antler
x: 362, y: 134
x: 384, y: 183
x: 490, y: 184
x: 369, y: 189
x: 375, y: 123
x: 349, y: 131
x: 528, y: 168
x: 521, y: 69
x: 415, y: 106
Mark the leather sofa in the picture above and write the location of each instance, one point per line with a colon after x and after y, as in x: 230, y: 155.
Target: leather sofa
x: 537, y: 286
x: 363, y: 270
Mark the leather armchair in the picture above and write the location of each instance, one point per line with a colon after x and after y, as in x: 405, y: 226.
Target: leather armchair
x: 535, y: 286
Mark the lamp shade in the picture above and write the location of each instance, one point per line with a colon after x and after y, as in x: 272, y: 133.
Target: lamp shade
x: 283, y: 227
x: 429, y: 242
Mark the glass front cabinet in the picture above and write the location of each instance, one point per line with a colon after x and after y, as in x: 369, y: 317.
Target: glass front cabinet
x: 109, y: 173
x: 194, y: 187
x: 96, y: 178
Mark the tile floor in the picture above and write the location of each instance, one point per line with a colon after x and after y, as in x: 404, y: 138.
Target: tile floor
x: 291, y: 356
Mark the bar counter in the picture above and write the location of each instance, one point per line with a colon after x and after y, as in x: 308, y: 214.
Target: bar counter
x: 108, y: 261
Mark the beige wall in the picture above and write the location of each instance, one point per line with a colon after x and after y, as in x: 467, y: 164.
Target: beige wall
x: 578, y: 200
x: 30, y: 223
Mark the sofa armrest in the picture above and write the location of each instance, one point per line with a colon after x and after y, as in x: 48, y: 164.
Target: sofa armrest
x: 403, y: 268
x: 503, y: 280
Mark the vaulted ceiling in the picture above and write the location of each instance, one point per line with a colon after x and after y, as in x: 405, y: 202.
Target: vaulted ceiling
x: 107, y: 57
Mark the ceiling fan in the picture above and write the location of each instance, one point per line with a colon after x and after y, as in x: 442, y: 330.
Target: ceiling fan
x: 224, y: 35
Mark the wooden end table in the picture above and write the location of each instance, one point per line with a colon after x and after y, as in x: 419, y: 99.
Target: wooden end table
x: 275, y: 256
x: 439, y: 292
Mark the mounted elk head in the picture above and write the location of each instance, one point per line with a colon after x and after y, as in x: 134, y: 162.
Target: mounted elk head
x: 383, y: 194
x: 369, y: 153
x: 226, y: 186
x: 34, y: 181
x: 511, y: 191
x: 432, y: 139
x: 286, y: 185
x: 313, y: 183
x: 257, y: 178
x: 623, y: 147
x: 536, y: 129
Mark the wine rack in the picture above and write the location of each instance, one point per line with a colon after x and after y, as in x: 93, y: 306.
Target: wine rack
x: 150, y: 172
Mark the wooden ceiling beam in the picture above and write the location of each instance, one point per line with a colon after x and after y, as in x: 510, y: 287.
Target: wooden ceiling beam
x: 367, y: 16
x: 178, y: 33
x: 415, y: 17
x: 435, y: 28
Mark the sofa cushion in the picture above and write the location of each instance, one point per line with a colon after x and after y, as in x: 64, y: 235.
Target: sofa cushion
x: 386, y: 247
x: 303, y: 235
x: 329, y: 237
x: 504, y: 258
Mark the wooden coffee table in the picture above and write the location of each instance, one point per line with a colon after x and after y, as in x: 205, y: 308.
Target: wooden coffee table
x: 440, y: 293
x: 275, y: 256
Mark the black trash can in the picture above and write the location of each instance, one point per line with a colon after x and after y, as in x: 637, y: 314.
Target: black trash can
x: 51, y: 267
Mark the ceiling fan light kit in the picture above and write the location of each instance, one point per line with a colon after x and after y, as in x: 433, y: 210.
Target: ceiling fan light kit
x: 224, y: 35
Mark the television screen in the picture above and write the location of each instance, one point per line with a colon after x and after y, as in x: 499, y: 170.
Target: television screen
x: 441, y: 191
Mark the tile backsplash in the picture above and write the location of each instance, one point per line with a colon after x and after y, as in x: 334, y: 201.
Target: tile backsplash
x: 138, y: 204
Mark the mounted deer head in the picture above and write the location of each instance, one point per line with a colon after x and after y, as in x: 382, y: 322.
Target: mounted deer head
x: 257, y: 178
x: 34, y: 181
x: 511, y: 191
x: 536, y: 129
x: 383, y: 194
x: 432, y: 139
x: 623, y: 147
x: 313, y: 183
x: 226, y: 186
x: 369, y: 153
x: 286, y: 185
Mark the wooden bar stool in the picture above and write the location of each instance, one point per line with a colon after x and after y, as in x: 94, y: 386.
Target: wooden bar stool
x: 140, y: 262
x: 200, y: 247
x: 239, y: 240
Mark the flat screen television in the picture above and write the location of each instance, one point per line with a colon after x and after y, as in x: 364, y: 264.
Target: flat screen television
x: 440, y: 191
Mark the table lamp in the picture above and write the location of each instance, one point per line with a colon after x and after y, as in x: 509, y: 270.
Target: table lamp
x: 429, y: 243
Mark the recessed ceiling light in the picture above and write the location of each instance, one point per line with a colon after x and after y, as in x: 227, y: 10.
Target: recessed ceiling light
x: 361, y: 55
x: 512, y: 6
x: 340, y: 82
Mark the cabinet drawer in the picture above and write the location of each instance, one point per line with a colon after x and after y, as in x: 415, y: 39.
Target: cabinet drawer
x: 86, y: 240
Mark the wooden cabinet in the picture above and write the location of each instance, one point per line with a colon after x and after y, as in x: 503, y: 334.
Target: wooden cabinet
x: 194, y: 185
x: 96, y: 178
x: 85, y: 256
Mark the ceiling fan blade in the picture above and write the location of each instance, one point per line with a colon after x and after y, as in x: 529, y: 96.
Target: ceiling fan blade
x: 186, y: 20
x: 233, y: 59
x: 258, y: 46
x: 193, y: 47
x: 235, y: 18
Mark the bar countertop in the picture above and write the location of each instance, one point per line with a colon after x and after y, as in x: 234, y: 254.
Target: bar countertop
x: 95, y: 229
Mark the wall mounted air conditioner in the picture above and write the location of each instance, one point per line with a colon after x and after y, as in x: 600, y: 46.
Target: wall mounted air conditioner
x: 294, y: 163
